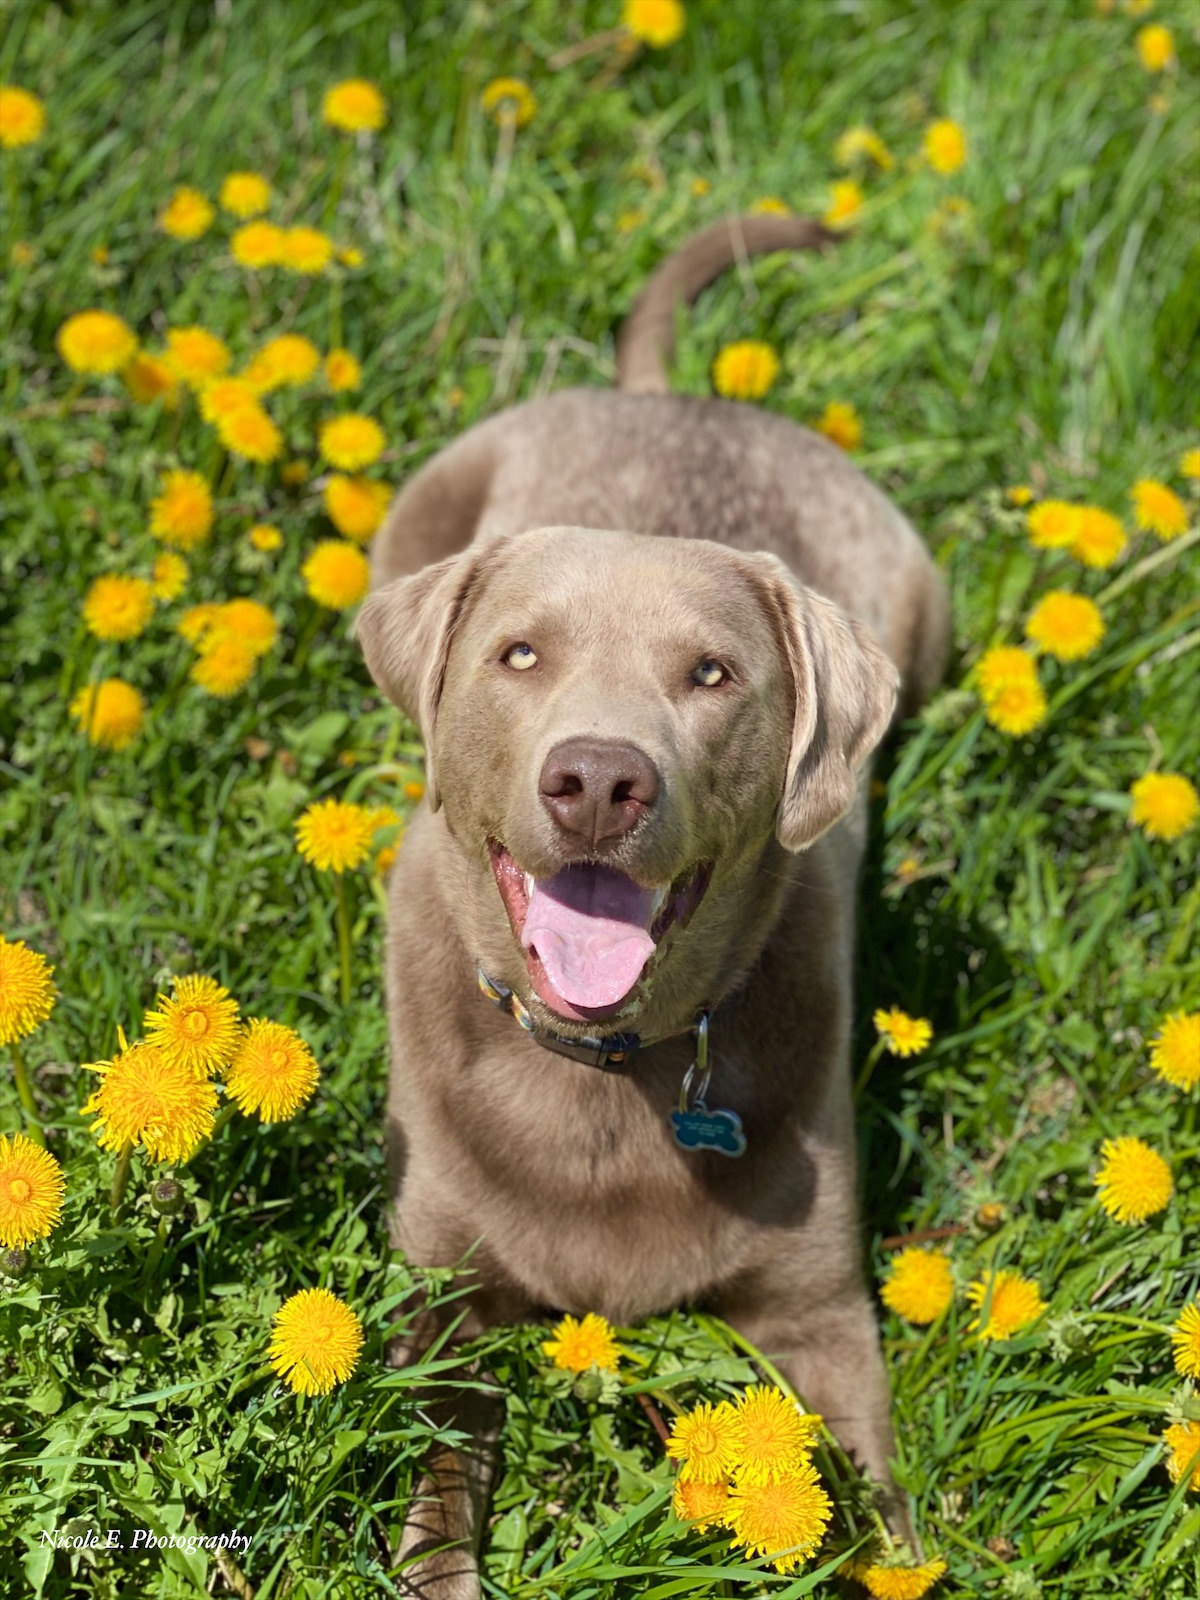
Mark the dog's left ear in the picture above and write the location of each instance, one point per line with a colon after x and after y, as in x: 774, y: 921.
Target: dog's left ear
x: 406, y: 629
x: 845, y: 691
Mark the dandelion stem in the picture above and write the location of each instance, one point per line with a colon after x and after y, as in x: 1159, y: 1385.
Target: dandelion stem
x: 343, y: 928
x: 504, y: 153
x: 116, y: 1195
x: 307, y: 638
x: 33, y: 1123
x: 154, y: 1254
x: 72, y: 395
x: 868, y: 1066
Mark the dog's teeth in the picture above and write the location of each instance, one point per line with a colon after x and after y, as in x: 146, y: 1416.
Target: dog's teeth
x: 656, y: 902
x: 529, y: 883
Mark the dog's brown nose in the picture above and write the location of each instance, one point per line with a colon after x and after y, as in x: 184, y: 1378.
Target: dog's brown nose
x: 597, y: 789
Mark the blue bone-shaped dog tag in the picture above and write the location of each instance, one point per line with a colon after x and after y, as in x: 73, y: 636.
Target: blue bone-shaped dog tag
x: 702, y: 1129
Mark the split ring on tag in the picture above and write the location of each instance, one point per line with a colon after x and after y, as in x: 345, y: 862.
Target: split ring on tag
x: 693, y: 1125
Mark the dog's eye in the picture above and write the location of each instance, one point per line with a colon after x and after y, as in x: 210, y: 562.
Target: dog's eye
x: 521, y: 657
x: 709, y: 674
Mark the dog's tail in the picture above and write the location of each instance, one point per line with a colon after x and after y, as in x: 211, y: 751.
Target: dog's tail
x: 647, y: 336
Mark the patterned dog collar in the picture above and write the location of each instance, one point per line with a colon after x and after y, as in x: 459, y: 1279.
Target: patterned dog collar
x: 611, y: 1052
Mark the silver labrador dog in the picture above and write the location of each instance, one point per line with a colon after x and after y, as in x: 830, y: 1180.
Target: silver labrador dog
x: 650, y: 642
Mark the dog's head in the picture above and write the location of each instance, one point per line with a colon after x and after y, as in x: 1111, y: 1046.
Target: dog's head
x: 616, y: 726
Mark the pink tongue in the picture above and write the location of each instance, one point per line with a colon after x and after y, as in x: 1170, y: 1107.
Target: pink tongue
x: 589, y: 925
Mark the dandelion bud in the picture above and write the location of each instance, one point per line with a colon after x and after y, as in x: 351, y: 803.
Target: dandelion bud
x: 13, y: 1263
x: 589, y: 1385
x: 989, y: 1216
x: 167, y: 1197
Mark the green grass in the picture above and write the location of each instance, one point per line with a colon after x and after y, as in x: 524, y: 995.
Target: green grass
x: 1048, y: 335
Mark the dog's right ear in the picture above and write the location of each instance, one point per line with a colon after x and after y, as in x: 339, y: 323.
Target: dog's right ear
x: 406, y: 629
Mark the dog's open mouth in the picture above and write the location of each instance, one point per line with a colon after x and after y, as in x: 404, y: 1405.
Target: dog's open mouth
x: 590, y: 932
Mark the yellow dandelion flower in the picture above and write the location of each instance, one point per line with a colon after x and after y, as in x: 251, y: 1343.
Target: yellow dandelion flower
x: 258, y: 245
x: 776, y: 1434
x: 945, y: 147
x: 846, y: 203
x: 118, y: 607
x: 196, y: 621
x: 708, y: 1441
x: 250, y: 435
x: 351, y: 441
x: 342, y: 371
x: 1018, y: 494
x: 224, y: 397
x: 576, y: 1346
x: 1185, y: 1341
x: 1134, y: 1181
x: 264, y: 537
x: 1158, y: 510
x: 149, y: 378
x: 22, y: 117
x: 26, y: 989
x: 294, y: 473
x: 1175, y: 1050
x: 1013, y: 1303
x: 1099, y: 539
x: 902, y: 1583
x: 349, y: 256
x: 334, y: 835
x: 768, y: 205
x: 1182, y: 1440
x: 244, y: 194
x: 903, y: 1035
x: 22, y: 254
x: 1053, y: 525
x: 1003, y: 667
x: 657, y: 23
x: 629, y: 220
x: 1155, y: 47
x: 784, y: 1519
x: 31, y: 1192
x: 336, y: 574
x: 287, y: 360
x: 96, y: 342
x: 305, y: 250
x: 840, y: 424
x: 1189, y: 464
x: 860, y: 143
x: 414, y: 791
x: 745, y: 370
x: 110, y: 713
x: 704, y: 1505
x: 187, y: 214
x: 168, y: 576
x: 182, y: 515
x: 197, y: 1027
x: 700, y: 187
x: 248, y: 621
x: 195, y: 355
x: 1009, y: 688
x: 356, y: 506
x: 223, y: 666
x: 145, y: 1099
x: 316, y: 1341
x: 509, y: 100
x: 1067, y: 626
x: 354, y: 106
x: 385, y: 817
x: 1165, y: 804
x: 919, y: 1286
x: 273, y: 1072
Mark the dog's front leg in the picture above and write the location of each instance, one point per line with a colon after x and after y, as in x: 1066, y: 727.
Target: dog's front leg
x: 438, y: 1553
